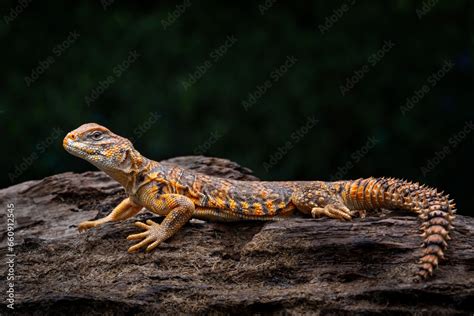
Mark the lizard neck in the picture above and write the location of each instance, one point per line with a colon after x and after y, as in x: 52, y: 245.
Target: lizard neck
x: 125, y: 173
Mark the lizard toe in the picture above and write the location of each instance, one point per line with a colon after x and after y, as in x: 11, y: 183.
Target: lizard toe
x: 153, y: 245
x: 150, y: 222
x: 332, y: 211
x: 339, y: 212
x: 141, y: 244
x: 152, y: 236
x: 137, y: 236
x: 317, y: 212
x: 86, y: 225
x: 142, y: 225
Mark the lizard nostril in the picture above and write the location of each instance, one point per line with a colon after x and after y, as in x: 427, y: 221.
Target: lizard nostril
x: 68, y: 137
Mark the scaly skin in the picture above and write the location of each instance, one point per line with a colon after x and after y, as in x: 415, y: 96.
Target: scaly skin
x: 180, y: 194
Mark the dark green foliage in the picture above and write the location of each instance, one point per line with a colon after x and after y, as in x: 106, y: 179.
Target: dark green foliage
x: 189, y: 119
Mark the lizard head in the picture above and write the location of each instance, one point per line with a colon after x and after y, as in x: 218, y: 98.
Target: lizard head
x: 102, y: 148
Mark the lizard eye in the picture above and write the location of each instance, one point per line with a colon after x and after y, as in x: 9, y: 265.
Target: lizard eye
x: 96, y: 135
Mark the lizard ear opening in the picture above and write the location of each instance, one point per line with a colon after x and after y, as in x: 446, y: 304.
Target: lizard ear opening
x: 125, y: 159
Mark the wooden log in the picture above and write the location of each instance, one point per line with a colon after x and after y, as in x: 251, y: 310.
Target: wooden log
x: 301, y: 265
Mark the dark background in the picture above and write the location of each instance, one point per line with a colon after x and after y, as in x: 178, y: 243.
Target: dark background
x: 424, y: 144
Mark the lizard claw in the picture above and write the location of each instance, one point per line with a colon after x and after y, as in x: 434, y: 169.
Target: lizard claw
x: 333, y: 211
x: 151, y: 237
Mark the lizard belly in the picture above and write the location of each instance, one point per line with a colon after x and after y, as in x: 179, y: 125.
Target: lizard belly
x: 225, y: 215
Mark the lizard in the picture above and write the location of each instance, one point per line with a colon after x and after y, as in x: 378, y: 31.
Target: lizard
x: 180, y: 194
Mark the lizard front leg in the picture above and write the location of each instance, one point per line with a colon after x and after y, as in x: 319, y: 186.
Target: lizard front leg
x: 124, y: 210
x: 179, y: 210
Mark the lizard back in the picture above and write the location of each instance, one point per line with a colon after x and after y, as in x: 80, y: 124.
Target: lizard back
x: 242, y: 197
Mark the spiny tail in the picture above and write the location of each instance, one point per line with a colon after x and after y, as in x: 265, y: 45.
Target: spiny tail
x: 434, y: 209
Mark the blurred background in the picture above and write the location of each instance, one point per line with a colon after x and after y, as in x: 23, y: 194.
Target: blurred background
x: 318, y: 90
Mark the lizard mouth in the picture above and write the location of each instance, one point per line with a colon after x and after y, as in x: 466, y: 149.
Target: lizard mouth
x: 75, y: 148
x: 68, y: 140
x: 70, y: 148
x: 67, y: 144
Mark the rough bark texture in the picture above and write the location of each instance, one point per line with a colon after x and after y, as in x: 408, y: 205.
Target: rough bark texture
x: 322, y: 266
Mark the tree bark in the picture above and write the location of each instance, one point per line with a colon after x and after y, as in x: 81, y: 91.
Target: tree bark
x: 299, y: 265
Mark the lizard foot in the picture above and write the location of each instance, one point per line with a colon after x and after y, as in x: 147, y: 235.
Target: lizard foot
x: 333, y: 211
x: 152, y: 236
x: 86, y: 225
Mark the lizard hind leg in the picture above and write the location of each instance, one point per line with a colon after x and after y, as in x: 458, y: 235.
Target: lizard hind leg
x: 319, y: 202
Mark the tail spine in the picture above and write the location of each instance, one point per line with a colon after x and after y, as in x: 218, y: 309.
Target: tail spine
x: 434, y: 209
